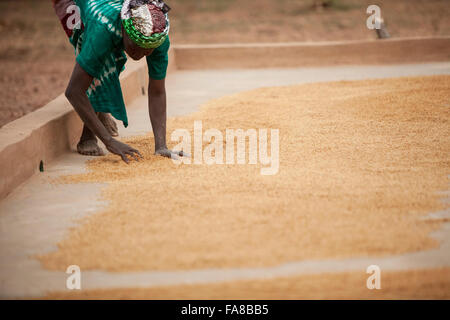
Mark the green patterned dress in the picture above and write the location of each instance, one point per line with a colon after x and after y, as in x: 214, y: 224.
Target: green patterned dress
x: 99, y: 51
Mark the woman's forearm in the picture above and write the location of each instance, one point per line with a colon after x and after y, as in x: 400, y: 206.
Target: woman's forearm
x: 76, y: 94
x: 157, y: 111
x: 83, y: 107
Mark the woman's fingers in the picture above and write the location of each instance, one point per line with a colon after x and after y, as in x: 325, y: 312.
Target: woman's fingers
x: 174, y: 156
x: 137, y: 151
x: 123, y: 150
x: 184, y: 154
x: 181, y: 153
x: 165, y: 153
x: 124, y: 158
x: 133, y: 154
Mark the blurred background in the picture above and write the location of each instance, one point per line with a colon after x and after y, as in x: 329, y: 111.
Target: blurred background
x: 36, y: 58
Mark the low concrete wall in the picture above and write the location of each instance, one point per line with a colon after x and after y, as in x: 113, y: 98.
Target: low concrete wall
x: 38, y: 136
x: 280, y: 55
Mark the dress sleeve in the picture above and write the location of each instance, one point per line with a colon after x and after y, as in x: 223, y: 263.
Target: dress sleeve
x: 158, y: 61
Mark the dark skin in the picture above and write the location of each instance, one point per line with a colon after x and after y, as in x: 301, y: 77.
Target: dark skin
x: 93, y: 127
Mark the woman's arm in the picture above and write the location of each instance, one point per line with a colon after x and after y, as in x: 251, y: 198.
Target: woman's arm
x: 76, y: 94
x: 157, y: 110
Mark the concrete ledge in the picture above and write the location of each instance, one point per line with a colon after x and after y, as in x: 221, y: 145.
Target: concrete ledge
x: 304, y: 54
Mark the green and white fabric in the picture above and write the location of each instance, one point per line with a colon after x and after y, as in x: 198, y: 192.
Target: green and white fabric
x: 141, y: 22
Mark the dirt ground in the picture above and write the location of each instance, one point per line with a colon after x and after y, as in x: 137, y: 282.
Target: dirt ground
x: 372, y: 161
x: 420, y: 284
x: 36, y: 58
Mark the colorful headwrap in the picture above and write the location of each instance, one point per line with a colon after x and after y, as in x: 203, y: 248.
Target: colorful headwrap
x: 146, y: 22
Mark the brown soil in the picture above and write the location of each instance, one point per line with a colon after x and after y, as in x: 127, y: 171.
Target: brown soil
x: 418, y: 284
x: 360, y: 164
x: 36, y: 58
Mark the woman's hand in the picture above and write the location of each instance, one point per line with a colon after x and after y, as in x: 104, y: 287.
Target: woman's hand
x: 123, y: 150
x: 171, y: 154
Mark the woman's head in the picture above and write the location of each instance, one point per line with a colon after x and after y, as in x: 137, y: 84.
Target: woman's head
x: 134, y: 51
x: 145, y: 26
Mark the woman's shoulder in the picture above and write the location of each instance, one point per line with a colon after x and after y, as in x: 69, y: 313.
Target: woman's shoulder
x: 104, y: 13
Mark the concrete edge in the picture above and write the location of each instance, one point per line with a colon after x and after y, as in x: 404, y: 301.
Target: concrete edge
x: 298, y: 43
x: 304, y: 54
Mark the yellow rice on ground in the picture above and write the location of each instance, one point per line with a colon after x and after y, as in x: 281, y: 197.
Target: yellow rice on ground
x: 361, y: 163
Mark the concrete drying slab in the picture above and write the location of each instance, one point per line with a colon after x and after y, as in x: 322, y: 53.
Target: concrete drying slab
x: 38, y: 214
